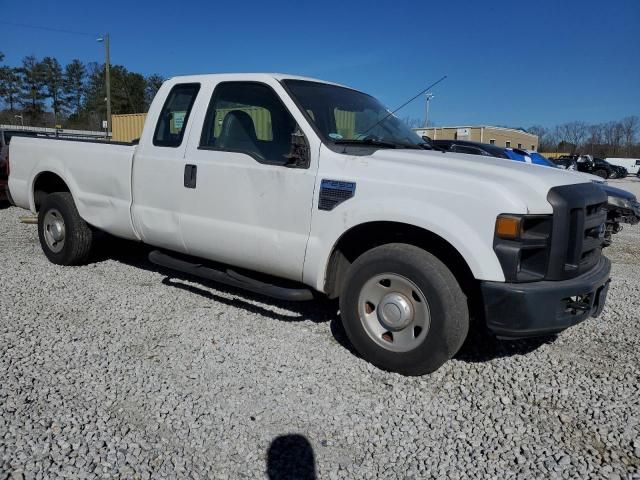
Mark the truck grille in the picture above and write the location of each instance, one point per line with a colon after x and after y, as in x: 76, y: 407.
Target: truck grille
x: 577, y: 236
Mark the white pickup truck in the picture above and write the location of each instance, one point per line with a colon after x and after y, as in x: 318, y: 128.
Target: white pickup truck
x: 289, y: 186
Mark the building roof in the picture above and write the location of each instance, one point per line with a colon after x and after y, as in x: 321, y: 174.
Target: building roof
x: 478, y: 126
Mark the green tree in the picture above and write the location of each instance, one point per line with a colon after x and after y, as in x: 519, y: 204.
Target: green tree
x: 94, y: 105
x: 31, y: 95
x: 9, y: 85
x: 74, y: 85
x: 153, y: 84
x: 127, y: 91
x: 53, y: 81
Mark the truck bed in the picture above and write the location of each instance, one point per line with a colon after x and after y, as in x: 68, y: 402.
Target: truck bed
x: 98, y: 174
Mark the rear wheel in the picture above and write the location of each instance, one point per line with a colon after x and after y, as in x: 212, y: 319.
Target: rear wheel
x: 65, y: 237
x: 601, y: 173
x: 403, y: 309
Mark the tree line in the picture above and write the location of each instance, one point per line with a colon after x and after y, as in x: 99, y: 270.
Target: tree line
x: 46, y: 93
x: 610, y: 139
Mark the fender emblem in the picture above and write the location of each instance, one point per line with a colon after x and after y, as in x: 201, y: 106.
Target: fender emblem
x: 334, y: 192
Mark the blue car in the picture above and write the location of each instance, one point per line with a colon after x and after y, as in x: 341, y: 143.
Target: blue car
x: 476, y: 148
x: 528, y: 156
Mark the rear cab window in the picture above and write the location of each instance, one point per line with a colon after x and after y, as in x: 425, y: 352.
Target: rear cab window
x: 175, y: 115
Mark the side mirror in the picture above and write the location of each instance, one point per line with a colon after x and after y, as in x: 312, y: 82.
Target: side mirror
x: 299, y: 155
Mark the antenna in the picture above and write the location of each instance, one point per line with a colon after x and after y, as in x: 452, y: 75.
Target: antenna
x: 404, y: 105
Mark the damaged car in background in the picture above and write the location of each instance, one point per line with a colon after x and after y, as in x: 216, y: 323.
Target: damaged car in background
x: 622, y: 207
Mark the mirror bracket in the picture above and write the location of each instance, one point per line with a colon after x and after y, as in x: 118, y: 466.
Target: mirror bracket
x: 299, y: 155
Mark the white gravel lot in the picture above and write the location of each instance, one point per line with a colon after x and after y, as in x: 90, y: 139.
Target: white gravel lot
x: 116, y: 370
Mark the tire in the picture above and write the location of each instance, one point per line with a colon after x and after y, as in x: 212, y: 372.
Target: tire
x: 409, y: 279
x: 65, y: 237
x: 601, y: 173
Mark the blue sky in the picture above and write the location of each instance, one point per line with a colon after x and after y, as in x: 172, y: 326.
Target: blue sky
x: 508, y: 62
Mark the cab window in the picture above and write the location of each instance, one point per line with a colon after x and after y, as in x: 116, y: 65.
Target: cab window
x: 248, y: 117
x: 175, y: 114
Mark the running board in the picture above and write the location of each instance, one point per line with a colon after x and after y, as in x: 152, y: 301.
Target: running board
x: 229, y: 277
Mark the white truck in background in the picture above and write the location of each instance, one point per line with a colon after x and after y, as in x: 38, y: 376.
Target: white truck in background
x: 295, y: 186
x: 631, y: 164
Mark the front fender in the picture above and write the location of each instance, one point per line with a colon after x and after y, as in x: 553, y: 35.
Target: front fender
x: 471, y: 236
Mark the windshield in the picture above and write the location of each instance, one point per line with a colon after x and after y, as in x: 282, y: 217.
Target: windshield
x: 342, y: 115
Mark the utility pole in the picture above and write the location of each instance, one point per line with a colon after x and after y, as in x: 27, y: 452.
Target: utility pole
x: 107, y: 76
x: 428, y: 96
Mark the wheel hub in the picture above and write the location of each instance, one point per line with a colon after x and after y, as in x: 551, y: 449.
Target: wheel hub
x: 57, y: 230
x: 54, y: 230
x: 395, y: 311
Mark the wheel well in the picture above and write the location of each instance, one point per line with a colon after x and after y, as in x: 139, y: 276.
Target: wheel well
x: 362, y: 238
x: 46, y: 183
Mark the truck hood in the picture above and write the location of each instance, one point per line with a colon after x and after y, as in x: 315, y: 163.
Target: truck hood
x: 523, y: 186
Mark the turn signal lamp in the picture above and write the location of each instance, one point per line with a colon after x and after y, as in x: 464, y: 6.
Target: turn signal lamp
x: 508, y: 227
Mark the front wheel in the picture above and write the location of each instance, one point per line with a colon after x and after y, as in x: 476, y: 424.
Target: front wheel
x: 403, y: 310
x: 65, y: 237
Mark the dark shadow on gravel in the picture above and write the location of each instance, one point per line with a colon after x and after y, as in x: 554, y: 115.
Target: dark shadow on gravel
x: 312, y: 310
x: 107, y: 247
x: 291, y: 457
x: 135, y: 254
x: 340, y: 336
x: 480, y: 346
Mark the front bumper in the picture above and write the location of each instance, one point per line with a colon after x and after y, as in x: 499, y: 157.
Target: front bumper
x: 520, y: 310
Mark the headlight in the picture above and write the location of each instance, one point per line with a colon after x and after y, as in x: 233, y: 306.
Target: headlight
x: 523, y: 227
x: 621, y: 202
x: 631, y: 207
x: 522, y: 244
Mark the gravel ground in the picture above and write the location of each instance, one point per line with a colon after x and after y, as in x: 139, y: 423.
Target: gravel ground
x: 116, y: 370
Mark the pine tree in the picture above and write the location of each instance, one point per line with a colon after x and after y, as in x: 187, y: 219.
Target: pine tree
x: 153, y: 84
x: 75, y: 77
x: 53, y: 82
x: 31, y: 95
x: 9, y: 85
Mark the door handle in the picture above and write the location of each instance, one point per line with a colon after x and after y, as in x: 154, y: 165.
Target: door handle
x: 190, y: 174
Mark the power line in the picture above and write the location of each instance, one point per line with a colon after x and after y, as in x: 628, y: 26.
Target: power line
x: 49, y: 29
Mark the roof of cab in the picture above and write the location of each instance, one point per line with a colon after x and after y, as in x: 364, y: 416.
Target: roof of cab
x: 246, y: 77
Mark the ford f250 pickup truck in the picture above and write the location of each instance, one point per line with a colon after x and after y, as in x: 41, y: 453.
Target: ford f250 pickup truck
x: 289, y: 186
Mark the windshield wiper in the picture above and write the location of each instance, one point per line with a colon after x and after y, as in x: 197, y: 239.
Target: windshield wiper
x: 367, y: 142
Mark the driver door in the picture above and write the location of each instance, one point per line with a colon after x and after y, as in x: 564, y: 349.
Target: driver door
x: 247, y: 206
